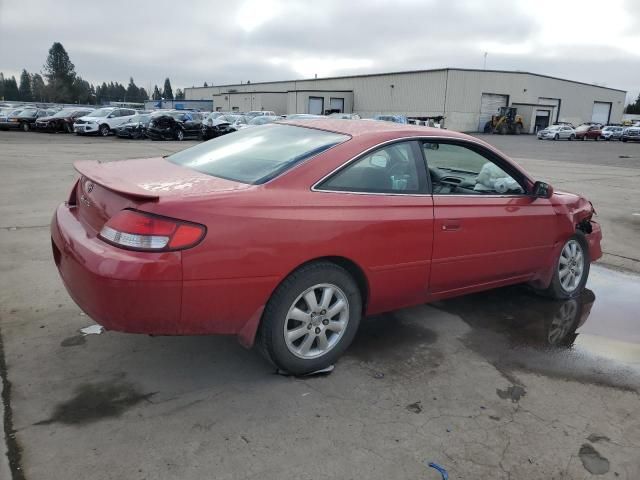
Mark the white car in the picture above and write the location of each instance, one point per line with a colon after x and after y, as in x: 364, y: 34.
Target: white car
x: 103, y: 120
x: 258, y: 113
x: 557, y: 132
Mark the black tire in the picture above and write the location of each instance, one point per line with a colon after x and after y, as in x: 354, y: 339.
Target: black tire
x: 572, y: 137
x: 584, y: 138
x: 68, y: 128
x: 555, y: 289
x: 104, y: 130
x: 25, y: 126
x: 271, y: 339
x: 597, y: 138
x: 179, y: 134
x: 556, y: 137
x: 503, y: 129
x: 518, y: 129
x: 624, y: 139
x: 488, y: 127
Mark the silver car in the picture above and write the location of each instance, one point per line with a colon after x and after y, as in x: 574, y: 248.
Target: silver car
x: 611, y: 132
x: 557, y: 132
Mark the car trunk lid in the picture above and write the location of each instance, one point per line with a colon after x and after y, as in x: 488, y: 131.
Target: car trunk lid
x: 105, y: 188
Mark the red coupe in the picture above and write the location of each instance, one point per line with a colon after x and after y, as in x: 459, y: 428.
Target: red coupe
x: 287, y: 234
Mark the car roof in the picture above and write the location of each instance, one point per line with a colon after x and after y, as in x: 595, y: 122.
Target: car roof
x: 356, y: 128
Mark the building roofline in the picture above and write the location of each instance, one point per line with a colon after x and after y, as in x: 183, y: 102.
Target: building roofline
x: 409, y: 72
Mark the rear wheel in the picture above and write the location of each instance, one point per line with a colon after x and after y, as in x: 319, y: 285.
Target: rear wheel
x: 572, y: 137
x: 104, y: 130
x: 596, y: 138
x: 179, y: 135
x: 571, y: 269
x: 311, y: 318
x: 503, y: 129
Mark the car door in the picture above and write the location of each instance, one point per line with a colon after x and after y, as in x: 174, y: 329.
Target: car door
x: 385, y: 213
x: 487, y: 229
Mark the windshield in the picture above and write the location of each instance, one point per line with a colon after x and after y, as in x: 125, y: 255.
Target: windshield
x: 101, y: 112
x: 256, y: 155
x: 140, y: 119
x: 262, y: 120
x: 233, y: 118
x: 65, y: 112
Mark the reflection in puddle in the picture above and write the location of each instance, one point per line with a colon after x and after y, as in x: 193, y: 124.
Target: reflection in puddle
x: 594, y: 338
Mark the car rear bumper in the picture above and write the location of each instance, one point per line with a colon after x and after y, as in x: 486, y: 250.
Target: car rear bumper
x: 127, y: 291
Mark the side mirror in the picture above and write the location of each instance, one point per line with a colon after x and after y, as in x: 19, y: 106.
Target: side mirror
x: 542, y: 190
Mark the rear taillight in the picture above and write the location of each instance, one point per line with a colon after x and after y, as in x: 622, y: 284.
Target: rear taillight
x: 142, y: 231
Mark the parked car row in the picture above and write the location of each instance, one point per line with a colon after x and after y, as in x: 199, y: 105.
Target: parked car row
x: 589, y: 131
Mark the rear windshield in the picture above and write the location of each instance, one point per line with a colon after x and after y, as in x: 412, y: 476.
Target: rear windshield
x: 256, y: 155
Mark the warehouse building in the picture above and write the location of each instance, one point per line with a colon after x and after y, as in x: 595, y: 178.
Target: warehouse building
x: 465, y: 98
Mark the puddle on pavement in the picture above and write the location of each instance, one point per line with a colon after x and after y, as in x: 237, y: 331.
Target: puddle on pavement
x: 396, y: 344
x: 594, y: 338
x: 95, y: 401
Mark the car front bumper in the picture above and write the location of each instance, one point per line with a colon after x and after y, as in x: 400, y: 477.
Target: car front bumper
x: 86, y: 128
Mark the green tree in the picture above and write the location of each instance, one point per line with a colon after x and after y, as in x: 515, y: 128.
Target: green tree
x: 633, y: 108
x: 167, y: 92
x: 1, y: 86
x: 179, y: 94
x: 11, y: 89
x: 143, y: 95
x: 82, y: 90
x: 38, y: 88
x: 205, y: 84
x: 60, y: 73
x: 156, y: 93
x: 133, y: 92
x: 24, y: 90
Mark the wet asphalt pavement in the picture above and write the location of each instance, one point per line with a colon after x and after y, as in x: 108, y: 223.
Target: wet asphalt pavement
x: 504, y: 384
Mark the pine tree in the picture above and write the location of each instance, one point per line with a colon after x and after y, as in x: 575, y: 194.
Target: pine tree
x: 205, y: 84
x: 156, y: 93
x: 60, y: 73
x: 11, y: 89
x: 24, y: 90
x: 38, y: 88
x: 133, y: 92
x: 179, y: 94
x: 143, y: 95
x: 1, y: 86
x: 168, y: 92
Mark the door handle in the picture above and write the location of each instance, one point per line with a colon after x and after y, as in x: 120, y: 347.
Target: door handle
x: 450, y: 225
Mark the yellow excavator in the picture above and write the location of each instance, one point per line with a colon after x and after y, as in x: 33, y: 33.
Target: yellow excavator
x: 506, y: 121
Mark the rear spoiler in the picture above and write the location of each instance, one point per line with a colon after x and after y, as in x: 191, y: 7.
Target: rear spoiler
x: 101, y: 174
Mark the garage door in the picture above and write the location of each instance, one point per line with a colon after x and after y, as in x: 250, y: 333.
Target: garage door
x: 601, y: 112
x: 337, y: 104
x: 316, y: 105
x: 489, y: 105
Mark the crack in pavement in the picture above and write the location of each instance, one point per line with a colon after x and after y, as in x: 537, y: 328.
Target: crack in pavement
x: 14, y: 451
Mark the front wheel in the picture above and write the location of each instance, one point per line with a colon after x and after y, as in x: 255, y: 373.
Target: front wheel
x: 311, y: 318
x: 596, y: 138
x: 556, y: 137
x: 25, y: 127
x: 68, y: 128
x: 104, y: 130
x: 571, y: 269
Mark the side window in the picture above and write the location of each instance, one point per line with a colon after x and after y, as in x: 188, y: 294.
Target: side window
x: 115, y: 113
x: 396, y: 168
x: 458, y: 170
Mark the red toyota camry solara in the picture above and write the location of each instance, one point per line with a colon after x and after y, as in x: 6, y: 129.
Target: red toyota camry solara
x: 287, y: 234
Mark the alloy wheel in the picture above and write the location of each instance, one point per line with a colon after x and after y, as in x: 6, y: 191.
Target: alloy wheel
x: 316, y: 321
x: 571, y: 266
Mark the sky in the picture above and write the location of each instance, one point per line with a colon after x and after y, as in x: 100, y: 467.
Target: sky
x: 263, y: 40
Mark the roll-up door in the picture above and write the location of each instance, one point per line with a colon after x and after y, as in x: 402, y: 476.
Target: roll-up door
x: 316, y: 105
x: 601, y: 112
x: 489, y: 105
